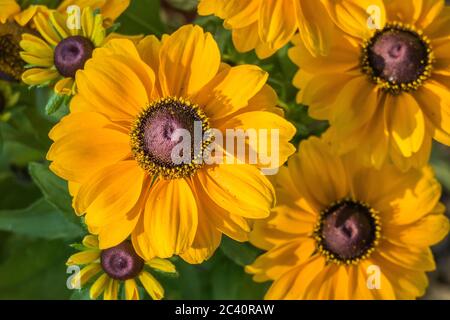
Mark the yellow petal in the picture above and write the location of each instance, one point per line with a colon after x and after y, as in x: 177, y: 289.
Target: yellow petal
x: 207, y: 240
x: 86, y: 274
x: 36, y: 61
x: 271, y: 141
x: 111, y: 193
x: 149, y: 49
x: 90, y: 241
x: 36, y: 46
x: 111, y: 290
x: 433, y: 99
x: 8, y: 9
x: 246, y: 38
x: 131, y: 290
x: 84, y: 257
x: 406, y: 123
x: 78, y: 121
x: 239, y: 189
x: 115, y: 227
x: 315, y: 26
x: 65, y: 87
x: 294, y: 283
x: 352, y: 16
x: 77, y: 155
x: 141, y: 241
x: 151, y: 285
x: 162, y: 265
x: 283, y: 258
x: 98, y: 286
x: 189, y: 59
x: 46, y: 30
x: 427, y: 231
x: 171, y: 225
x: 113, y: 87
x: 38, y: 76
x: 277, y: 22
x: 323, y: 172
x: 231, y: 90
x: 233, y: 225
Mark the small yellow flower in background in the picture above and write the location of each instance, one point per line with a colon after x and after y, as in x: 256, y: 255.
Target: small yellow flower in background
x: 115, y: 147
x: 61, y: 52
x: 115, y: 267
x: 384, y: 87
x: 14, y: 22
x: 344, y: 231
x: 8, y: 99
x: 268, y: 25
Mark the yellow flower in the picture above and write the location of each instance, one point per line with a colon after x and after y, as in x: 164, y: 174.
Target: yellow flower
x: 343, y: 231
x: 268, y: 25
x: 115, y: 148
x: 14, y: 22
x: 114, y: 267
x: 61, y: 52
x: 8, y: 98
x: 384, y: 91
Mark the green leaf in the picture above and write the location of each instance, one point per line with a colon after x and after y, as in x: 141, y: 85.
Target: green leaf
x: 40, y: 220
x: 232, y: 283
x: 33, y: 269
x: 242, y: 254
x: 80, y: 294
x: 55, y: 102
x: 54, y: 189
x: 142, y: 17
x: 16, y: 194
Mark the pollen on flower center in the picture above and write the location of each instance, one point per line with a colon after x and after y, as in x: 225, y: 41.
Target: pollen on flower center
x: 398, y: 57
x: 121, y: 262
x: 161, y: 129
x: 71, y: 54
x: 11, y: 64
x: 347, y: 232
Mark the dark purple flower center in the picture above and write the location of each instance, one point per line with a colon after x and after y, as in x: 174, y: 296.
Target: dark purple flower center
x: 348, y: 230
x: 161, y: 131
x: 398, y: 56
x: 121, y: 262
x: 71, y: 54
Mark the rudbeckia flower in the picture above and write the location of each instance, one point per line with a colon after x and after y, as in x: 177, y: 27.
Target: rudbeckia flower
x: 116, y: 148
x: 14, y: 22
x: 384, y: 87
x: 107, y: 270
x: 268, y: 25
x: 341, y: 230
x: 61, y: 52
x: 8, y: 99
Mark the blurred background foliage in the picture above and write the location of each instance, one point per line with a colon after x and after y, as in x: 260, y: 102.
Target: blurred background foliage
x: 37, y: 223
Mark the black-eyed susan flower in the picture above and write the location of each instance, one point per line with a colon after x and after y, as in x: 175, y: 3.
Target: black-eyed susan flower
x: 106, y: 271
x: 341, y: 230
x: 58, y: 52
x: 116, y: 147
x: 384, y: 87
x: 8, y: 99
x: 268, y: 25
x: 15, y: 21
